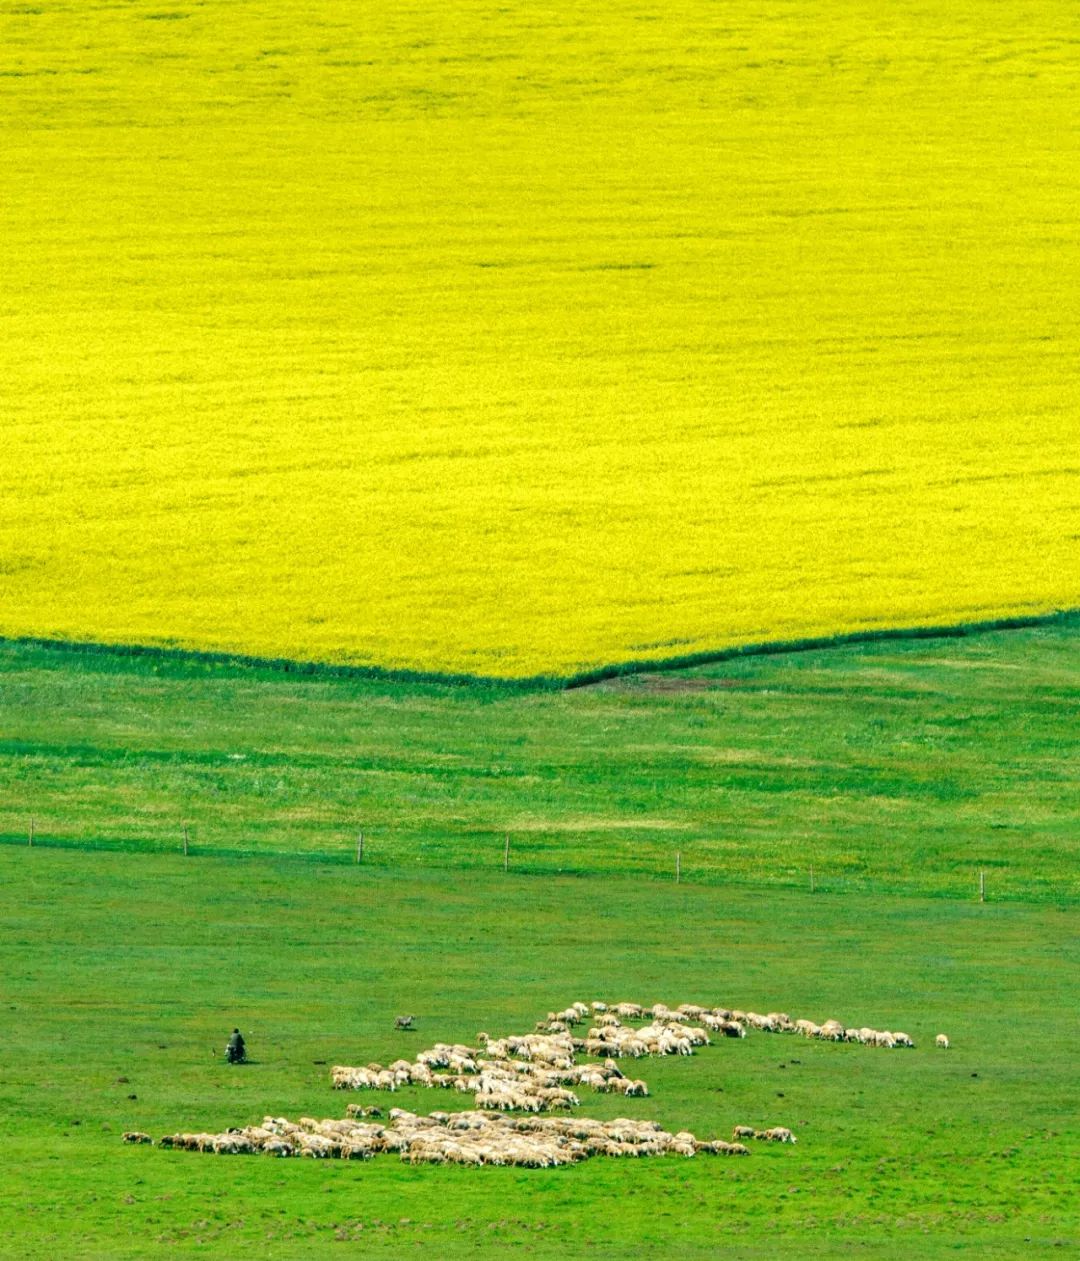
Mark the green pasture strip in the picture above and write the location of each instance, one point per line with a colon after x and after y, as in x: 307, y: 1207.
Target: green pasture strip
x: 123, y: 974
x: 903, y: 767
x: 157, y: 653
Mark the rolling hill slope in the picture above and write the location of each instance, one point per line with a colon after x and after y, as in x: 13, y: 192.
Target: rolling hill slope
x: 511, y: 342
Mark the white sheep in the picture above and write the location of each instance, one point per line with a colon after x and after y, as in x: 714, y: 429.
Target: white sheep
x: 778, y: 1134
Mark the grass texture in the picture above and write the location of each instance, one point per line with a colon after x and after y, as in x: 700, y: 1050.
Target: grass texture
x: 523, y: 341
x: 895, y: 767
x: 122, y: 973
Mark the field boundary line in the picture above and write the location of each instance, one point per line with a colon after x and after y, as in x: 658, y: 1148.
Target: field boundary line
x: 543, y: 682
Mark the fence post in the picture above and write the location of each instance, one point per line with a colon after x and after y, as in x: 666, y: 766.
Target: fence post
x: 30, y: 839
x: 678, y: 866
x: 982, y: 886
x: 185, y: 840
x: 506, y: 853
x: 360, y: 848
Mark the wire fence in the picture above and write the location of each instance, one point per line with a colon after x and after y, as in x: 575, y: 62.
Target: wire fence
x: 476, y: 850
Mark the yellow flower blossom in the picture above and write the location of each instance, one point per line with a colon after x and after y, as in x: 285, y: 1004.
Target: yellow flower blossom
x: 516, y: 341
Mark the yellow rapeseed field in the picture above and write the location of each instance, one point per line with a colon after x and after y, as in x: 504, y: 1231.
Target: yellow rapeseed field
x: 522, y: 339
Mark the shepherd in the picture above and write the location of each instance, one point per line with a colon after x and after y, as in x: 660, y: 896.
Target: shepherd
x: 235, y: 1051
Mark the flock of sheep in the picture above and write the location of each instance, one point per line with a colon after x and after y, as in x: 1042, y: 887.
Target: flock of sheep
x: 532, y: 1072
x: 528, y: 1074
x: 536, y: 1072
x: 732, y: 1023
x: 462, y: 1138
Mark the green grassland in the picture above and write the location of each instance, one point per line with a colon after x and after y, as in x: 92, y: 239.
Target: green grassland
x: 900, y: 766
x: 122, y: 972
x: 897, y: 768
